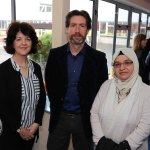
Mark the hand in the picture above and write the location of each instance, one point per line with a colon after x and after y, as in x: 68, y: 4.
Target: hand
x: 25, y: 134
x: 123, y: 146
x: 33, y: 127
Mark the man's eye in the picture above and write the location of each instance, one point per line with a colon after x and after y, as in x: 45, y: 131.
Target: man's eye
x: 72, y: 25
x: 83, y: 25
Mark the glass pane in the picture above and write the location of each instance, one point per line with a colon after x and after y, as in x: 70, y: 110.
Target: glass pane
x: 148, y: 34
x: 123, y: 16
x: 134, y: 26
x: 148, y: 21
x: 143, y: 23
x: 34, y: 11
x: 45, y: 36
x: 105, y: 30
x: 121, y: 38
x: 83, y: 5
x: 5, y: 10
x: 148, y: 29
x: 3, y: 55
x: 5, y: 17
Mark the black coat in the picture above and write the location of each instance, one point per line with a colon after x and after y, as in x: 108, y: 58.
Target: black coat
x: 94, y: 72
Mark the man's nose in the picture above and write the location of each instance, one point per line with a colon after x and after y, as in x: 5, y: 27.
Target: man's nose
x: 77, y: 29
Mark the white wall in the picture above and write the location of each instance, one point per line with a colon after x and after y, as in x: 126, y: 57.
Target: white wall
x: 60, y: 9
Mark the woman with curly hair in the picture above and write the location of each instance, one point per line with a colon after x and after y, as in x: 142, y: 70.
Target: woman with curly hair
x: 22, y: 94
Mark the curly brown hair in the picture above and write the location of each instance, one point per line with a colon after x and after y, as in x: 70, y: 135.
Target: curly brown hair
x: 24, y: 28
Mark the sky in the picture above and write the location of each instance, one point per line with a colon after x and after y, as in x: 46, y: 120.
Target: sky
x: 30, y: 10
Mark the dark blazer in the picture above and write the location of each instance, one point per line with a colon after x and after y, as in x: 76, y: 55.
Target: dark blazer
x: 10, y: 97
x: 94, y: 72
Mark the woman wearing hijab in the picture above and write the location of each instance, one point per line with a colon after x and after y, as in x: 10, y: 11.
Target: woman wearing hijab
x: 120, y: 115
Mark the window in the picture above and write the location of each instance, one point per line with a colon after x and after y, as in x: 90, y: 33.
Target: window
x: 148, y: 28
x: 105, y: 30
x: 122, y: 28
x: 5, y: 19
x: 134, y: 26
x: 41, y: 13
x: 45, y: 8
x: 143, y: 23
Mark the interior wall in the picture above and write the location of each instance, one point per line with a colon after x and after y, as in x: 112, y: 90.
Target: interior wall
x: 60, y: 9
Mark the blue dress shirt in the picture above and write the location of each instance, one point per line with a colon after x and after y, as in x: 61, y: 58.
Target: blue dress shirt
x: 71, y: 100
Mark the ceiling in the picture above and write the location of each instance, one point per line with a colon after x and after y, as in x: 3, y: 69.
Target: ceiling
x: 139, y: 4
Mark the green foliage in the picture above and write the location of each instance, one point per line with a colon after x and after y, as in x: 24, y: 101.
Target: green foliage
x: 42, y: 53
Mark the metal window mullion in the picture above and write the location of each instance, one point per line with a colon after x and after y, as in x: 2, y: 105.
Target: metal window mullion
x: 129, y: 28
x: 116, y: 22
x: 140, y: 21
x: 94, y: 23
x: 13, y: 10
x: 147, y: 24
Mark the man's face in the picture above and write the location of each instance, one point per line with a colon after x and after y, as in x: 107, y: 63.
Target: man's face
x: 77, y: 30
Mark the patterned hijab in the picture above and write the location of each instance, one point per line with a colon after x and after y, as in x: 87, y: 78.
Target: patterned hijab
x: 124, y: 87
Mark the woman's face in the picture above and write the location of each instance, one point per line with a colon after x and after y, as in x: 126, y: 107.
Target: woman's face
x: 22, y: 44
x: 143, y: 43
x: 123, y: 67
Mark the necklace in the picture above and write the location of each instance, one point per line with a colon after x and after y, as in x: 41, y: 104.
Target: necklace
x: 24, y: 67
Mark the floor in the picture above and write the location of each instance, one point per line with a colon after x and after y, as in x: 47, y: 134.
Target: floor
x: 41, y: 144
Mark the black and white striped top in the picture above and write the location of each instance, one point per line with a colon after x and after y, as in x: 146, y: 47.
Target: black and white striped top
x: 30, y: 94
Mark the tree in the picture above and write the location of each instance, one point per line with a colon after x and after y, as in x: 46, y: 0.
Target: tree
x: 42, y: 53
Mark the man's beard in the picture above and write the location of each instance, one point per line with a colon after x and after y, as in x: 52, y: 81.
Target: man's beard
x: 77, y: 42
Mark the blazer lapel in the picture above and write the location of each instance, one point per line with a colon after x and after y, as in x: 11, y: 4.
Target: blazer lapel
x: 63, y: 63
x: 87, y: 66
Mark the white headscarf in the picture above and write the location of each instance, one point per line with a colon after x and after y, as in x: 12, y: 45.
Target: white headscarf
x: 123, y: 87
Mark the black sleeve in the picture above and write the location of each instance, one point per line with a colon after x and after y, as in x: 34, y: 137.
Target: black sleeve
x: 124, y: 145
